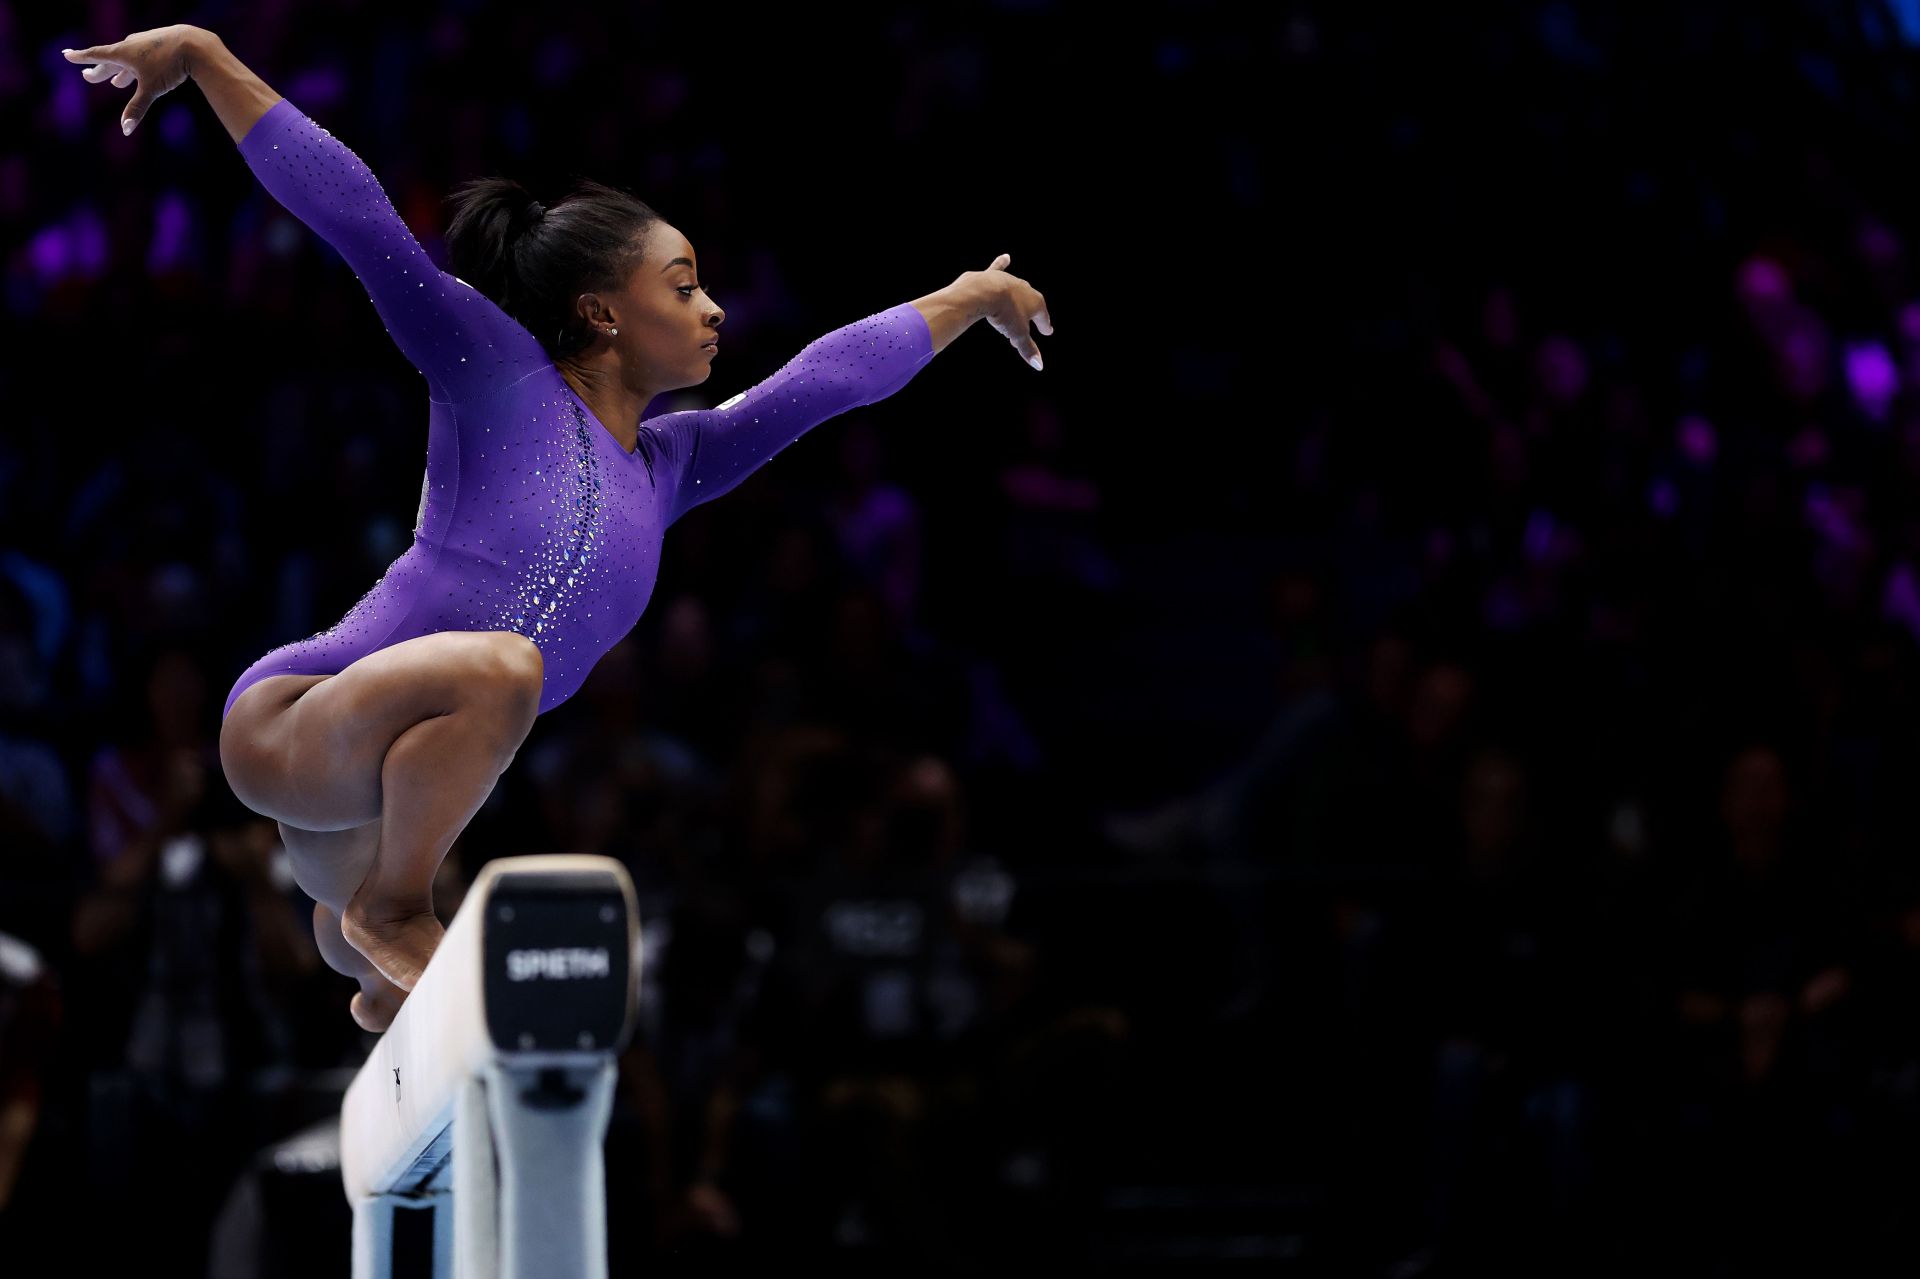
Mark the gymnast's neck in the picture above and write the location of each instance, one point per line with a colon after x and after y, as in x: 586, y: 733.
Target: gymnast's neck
x: 616, y: 403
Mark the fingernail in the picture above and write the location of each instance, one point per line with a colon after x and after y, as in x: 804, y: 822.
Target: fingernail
x: 1035, y: 361
x: 126, y: 126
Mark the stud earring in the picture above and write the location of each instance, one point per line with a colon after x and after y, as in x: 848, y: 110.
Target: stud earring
x: 613, y: 333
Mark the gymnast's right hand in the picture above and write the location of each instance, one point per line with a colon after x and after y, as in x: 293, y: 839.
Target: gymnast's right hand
x: 157, y: 59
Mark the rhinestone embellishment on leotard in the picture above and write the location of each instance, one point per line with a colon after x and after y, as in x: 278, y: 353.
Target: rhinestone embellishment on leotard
x: 557, y: 571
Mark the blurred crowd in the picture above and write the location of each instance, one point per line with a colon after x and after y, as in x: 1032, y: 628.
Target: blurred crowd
x: 1482, y: 843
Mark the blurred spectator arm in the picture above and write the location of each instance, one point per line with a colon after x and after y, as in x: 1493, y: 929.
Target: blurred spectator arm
x: 109, y: 909
x: 716, y: 1140
x: 706, y: 1206
x: 18, y: 1117
x: 1004, y: 963
x: 1453, y: 366
x: 1825, y: 989
x: 282, y: 940
x: 285, y: 946
x: 30, y: 1026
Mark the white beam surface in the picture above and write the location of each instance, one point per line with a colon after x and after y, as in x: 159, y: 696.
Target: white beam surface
x: 398, y: 1114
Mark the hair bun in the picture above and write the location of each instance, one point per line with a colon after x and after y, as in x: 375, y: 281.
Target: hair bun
x: 525, y: 217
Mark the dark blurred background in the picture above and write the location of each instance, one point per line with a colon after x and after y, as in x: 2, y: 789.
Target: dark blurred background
x: 1394, y: 755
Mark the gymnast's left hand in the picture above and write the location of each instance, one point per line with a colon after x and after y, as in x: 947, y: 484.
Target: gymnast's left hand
x: 1013, y: 306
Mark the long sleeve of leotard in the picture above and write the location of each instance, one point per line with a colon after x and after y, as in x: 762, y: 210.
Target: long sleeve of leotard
x: 709, y: 451
x: 451, y: 332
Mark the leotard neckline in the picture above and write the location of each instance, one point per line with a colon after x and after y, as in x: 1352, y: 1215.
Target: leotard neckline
x: 594, y: 418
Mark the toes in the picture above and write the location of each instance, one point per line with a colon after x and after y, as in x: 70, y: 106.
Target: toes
x: 367, y: 1015
x: 374, y: 1014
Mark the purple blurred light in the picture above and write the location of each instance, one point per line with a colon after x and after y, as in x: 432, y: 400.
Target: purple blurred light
x: 1504, y: 607
x: 177, y: 129
x: 1832, y: 515
x: 1698, y: 442
x: 1663, y: 497
x: 77, y: 246
x: 172, y: 246
x: 1537, y: 541
x: 1761, y: 279
x: 1874, y: 377
x: 1562, y: 367
x: 317, y: 88
x: 1805, y: 354
x: 1900, y: 601
x: 68, y: 110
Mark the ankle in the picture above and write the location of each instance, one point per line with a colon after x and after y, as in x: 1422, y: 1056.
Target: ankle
x: 372, y: 903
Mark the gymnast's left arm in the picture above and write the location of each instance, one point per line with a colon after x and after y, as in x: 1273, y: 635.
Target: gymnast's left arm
x: 710, y: 451
x: 995, y: 295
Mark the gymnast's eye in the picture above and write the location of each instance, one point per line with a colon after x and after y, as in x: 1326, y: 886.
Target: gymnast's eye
x: 688, y: 288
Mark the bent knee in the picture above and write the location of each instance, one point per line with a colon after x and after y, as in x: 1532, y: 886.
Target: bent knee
x: 515, y: 671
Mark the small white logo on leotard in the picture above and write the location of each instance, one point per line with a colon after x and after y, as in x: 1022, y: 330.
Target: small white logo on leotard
x: 727, y: 404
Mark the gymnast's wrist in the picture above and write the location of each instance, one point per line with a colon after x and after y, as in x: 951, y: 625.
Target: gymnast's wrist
x: 979, y: 289
x: 200, y: 46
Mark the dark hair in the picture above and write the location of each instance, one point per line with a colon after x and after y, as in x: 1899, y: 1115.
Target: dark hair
x: 535, y: 264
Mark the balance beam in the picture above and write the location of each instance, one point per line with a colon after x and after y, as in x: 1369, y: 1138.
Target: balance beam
x: 488, y: 1097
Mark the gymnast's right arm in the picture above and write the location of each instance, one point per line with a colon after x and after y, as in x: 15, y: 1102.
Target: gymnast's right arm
x: 454, y: 335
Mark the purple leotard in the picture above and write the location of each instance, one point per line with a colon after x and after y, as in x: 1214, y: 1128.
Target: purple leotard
x: 533, y: 518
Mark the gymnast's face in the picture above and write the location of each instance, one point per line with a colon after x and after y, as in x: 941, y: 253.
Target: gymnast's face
x: 665, y: 317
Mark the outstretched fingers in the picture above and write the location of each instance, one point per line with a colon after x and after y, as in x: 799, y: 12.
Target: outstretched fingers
x: 120, y: 76
x: 136, y: 108
x: 106, y: 69
x: 1028, y: 310
x: 150, y: 66
x: 101, y: 55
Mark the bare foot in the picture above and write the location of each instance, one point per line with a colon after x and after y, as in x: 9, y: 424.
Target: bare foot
x: 378, y: 1002
x: 399, y: 946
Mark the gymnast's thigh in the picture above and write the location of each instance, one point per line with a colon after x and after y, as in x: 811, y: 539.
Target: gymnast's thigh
x: 308, y: 750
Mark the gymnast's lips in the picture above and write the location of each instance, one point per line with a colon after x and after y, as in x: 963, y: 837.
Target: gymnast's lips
x: 714, y: 344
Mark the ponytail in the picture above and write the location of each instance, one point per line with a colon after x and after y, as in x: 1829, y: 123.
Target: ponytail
x: 534, y: 262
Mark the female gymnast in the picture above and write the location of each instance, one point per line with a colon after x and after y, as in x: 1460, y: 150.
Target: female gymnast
x: 545, y: 498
